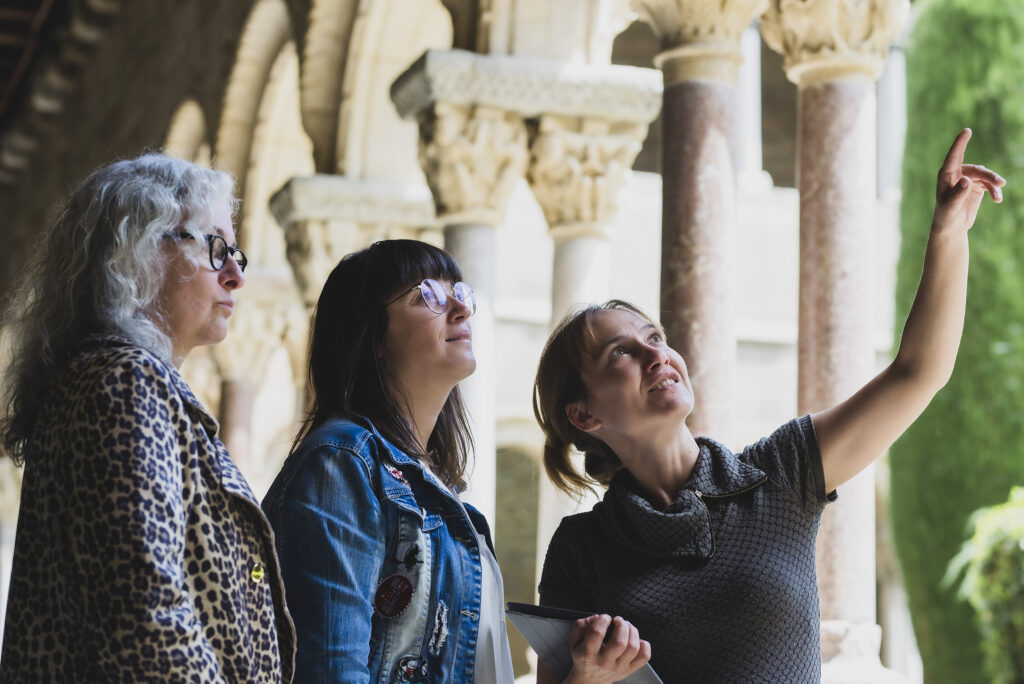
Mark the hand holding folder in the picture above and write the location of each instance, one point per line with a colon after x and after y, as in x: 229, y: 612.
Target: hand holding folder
x: 548, y: 632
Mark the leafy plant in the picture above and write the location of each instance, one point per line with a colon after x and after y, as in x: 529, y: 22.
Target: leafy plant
x: 990, y: 567
x: 965, y: 67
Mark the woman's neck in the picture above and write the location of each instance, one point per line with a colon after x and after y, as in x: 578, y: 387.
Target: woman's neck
x: 661, y: 462
x: 425, y: 403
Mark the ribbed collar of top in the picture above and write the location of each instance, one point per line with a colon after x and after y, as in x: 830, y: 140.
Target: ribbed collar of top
x: 684, y: 529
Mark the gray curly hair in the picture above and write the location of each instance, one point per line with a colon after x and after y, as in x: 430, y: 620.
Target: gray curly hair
x: 98, y: 270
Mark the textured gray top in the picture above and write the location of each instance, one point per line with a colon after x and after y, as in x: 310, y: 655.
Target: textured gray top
x: 722, y: 582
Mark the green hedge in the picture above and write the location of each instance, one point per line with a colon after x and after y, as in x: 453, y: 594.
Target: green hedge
x: 990, y: 569
x: 965, y: 67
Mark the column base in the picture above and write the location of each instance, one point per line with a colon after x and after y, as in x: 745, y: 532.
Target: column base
x: 849, y: 654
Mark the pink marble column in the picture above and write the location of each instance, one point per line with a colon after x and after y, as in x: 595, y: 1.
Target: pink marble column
x: 834, y: 52
x: 700, y: 59
x: 836, y: 179
x: 697, y: 243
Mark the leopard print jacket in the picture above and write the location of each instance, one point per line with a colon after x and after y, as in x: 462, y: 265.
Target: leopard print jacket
x: 141, y: 554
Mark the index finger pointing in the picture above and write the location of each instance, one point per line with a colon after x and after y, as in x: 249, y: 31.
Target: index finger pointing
x: 955, y: 156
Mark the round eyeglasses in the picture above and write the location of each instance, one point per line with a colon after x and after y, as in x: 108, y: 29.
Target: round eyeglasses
x: 219, y: 250
x: 436, y: 297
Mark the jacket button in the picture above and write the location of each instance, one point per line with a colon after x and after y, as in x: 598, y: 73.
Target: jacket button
x: 257, y: 572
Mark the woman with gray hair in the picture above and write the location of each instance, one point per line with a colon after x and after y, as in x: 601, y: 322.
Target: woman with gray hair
x: 141, y: 553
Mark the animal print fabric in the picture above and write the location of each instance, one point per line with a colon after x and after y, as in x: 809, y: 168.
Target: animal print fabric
x: 141, y: 554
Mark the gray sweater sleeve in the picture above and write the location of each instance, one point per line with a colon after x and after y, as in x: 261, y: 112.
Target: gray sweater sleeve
x: 792, y: 461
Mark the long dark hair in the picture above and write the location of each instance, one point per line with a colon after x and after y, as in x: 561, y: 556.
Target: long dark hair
x: 349, y: 373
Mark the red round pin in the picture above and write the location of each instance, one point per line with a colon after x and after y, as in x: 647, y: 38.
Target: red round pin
x: 392, y: 596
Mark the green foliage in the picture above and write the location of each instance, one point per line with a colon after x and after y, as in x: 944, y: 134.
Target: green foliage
x: 991, y: 563
x: 965, y: 67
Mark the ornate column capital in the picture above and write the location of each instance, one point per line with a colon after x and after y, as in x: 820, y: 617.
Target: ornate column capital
x: 700, y: 39
x: 577, y: 167
x: 477, y: 113
x: 325, y: 217
x: 824, y: 40
x: 472, y: 156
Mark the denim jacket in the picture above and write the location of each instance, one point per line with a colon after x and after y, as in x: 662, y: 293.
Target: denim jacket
x: 381, y: 565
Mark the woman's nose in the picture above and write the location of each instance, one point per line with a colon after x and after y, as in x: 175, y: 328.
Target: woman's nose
x: 232, y: 276
x: 654, y: 357
x: 457, y: 310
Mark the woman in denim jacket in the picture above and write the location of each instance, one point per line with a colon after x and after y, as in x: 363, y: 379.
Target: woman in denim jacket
x: 389, y: 576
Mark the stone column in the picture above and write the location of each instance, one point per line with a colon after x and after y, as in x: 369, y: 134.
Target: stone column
x: 578, y: 165
x: 472, y: 151
x: 701, y: 55
x: 834, y: 52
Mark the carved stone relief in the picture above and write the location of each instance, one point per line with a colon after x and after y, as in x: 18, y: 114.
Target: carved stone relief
x: 577, y: 167
x: 472, y: 157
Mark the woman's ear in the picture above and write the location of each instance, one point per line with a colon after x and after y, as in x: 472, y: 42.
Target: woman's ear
x: 577, y: 414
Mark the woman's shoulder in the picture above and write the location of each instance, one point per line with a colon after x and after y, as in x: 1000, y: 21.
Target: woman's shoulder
x: 105, y: 354
x: 111, y: 366
x: 353, y: 435
x: 340, y: 432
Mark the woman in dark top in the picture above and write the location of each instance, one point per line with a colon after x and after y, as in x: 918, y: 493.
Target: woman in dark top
x: 710, y: 554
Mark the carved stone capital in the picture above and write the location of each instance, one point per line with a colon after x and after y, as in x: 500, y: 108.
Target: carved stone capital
x: 700, y: 39
x: 474, y: 112
x: 325, y: 217
x: 472, y: 157
x: 577, y: 167
x: 824, y: 40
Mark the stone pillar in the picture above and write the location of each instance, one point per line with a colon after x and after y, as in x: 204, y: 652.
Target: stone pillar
x: 700, y: 58
x: 472, y: 151
x: 578, y: 165
x: 834, y: 52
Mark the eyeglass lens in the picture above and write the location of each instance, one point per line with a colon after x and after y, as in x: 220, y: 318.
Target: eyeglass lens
x: 219, y: 252
x: 436, y: 298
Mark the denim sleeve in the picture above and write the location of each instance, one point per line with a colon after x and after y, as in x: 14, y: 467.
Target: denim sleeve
x: 330, y: 538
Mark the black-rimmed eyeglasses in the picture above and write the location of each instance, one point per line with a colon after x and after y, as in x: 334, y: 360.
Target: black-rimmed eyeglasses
x: 219, y: 250
x: 436, y: 298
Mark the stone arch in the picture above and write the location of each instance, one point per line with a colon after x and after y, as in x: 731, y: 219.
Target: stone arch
x: 266, y: 32
x: 186, y: 135
x: 388, y: 36
x: 279, y: 150
x: 325, y: 50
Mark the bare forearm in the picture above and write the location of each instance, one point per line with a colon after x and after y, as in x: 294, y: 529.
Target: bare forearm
x: 935, y: 323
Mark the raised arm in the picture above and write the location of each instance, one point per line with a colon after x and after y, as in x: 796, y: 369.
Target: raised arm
x: 854, y: 433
